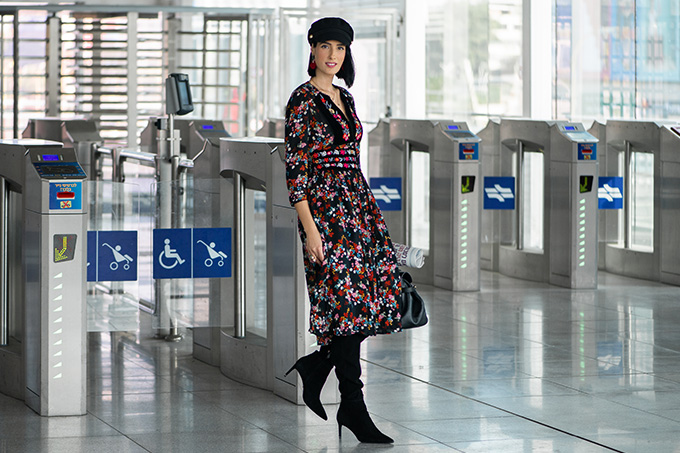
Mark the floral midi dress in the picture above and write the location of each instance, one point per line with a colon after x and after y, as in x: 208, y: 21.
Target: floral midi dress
x: 355, y: 290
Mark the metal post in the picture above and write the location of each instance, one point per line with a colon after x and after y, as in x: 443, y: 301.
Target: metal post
x: 519, y: 195
x: 628, y: 205
x: 4, y: 264
x: 239, y: 257
x: 174, y: 334
x: 406, y: 192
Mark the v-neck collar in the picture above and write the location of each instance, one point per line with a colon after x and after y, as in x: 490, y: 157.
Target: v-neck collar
x: 346, y: 122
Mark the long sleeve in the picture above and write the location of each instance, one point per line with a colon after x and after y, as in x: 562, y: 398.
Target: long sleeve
x: 298, y: 145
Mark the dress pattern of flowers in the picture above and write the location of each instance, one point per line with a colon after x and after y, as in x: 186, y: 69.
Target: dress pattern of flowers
x: 355, y: 290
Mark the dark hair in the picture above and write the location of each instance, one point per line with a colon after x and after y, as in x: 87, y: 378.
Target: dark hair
x: 345, y: 73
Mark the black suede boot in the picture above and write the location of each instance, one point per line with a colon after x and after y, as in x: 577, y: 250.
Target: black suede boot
x: 314, y: 370
x: 345, y: 353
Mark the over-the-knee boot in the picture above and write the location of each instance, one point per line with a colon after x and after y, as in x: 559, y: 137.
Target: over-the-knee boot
x: 314, y: 370
x: 345, y: 355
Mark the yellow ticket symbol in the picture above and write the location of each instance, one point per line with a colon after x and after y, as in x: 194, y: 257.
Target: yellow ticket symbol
x: 60, y: 255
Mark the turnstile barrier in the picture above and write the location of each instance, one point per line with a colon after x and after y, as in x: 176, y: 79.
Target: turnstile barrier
x: 633, y: 156
x: 549, y: 232
x: 669, y: 267
x: 424, y: 175
x: 258, y: 165
x: 54, y: 222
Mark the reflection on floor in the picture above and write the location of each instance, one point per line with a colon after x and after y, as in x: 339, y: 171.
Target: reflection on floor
x: 516, y: 367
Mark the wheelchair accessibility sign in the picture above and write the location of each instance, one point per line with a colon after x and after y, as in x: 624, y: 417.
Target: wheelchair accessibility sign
x: 111, y: 256
x: 192, y: 253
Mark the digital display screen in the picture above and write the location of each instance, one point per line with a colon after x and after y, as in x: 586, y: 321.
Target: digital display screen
x: 208, y: 127
x: 569, y: 128
x: 453, y: 128
x: 183, y: 92
x: 50, y: 157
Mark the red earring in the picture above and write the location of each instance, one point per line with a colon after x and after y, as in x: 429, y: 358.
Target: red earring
x: 312, y: 65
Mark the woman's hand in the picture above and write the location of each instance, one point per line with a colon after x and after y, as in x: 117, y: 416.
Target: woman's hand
x: 314, y: 245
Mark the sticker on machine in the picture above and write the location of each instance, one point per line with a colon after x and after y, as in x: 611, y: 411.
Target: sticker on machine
x: 587, y: 151
x: 64, y: 247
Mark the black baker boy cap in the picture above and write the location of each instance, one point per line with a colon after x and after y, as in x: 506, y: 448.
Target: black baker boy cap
x: 330, y: 28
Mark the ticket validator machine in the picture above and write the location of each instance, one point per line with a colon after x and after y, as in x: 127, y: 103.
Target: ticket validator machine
x: 54, y: 194
x: 427, y: 174
x: 79, y: 134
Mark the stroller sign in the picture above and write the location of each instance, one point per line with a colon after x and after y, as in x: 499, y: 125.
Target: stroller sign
x: 213, y: 254
x: 119, y: 257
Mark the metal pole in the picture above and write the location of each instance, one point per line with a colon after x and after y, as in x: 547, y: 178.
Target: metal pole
x: 519, y: 195
x: 174, y: 334
x: 628, y: 205
x: 239, y: 257
x: 4, y: 264
x: 406, y: 192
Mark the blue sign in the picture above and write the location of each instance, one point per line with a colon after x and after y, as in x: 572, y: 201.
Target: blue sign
x: 111, y: 256
x: 610, y: 192
x: 192, y: 253
x: 468, y: 151
x: 387, y: 192
x: 212, y: 252
x: 499, y: 192
x: 587, y: 151
x: 66, y: 196
x: 172, y: 253
x: 91, y: 256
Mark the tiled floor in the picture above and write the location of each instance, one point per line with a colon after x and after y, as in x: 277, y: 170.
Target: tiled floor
x: 516, y: 367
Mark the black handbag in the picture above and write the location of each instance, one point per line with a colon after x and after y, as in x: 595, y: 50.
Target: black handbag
x: 411, y: 305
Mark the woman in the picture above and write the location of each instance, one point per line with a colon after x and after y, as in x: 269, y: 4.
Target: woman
x: 350, y: 265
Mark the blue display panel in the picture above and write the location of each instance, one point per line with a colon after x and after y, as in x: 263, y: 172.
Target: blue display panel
x: 499, y: 192
x: 387, y: 192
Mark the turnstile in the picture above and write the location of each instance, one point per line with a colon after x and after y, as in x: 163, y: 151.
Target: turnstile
x: 52, y: 273
x: 670, y: 205
x: 259, y: 164
x: 426, y: 173
x: 79, y: 134
x: 633, y: 154
x: 272, y: 127
x: 551, y: 234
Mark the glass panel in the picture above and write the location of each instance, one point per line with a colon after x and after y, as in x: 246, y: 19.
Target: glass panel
x: 657, y: 56
x: 420, y: 200
x: 532, y: 201
x: 642, y: 201
x: 621, y: 213
x: 114, y: 211
x: 481, y: 57
x: 256, y: 310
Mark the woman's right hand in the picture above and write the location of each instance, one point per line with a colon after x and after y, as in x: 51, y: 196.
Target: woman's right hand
x: 313, y: 243
x: 314, y: 247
